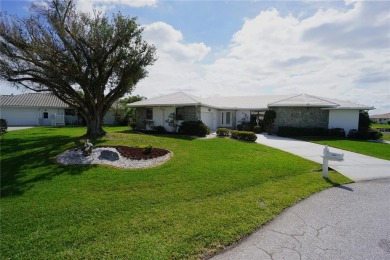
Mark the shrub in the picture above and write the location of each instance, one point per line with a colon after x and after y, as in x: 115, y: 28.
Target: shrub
x: 148, y: 149
x: 197, y: 128
x: 339, y: 132
x: 257, y: 129
x: 223, y: 132
x: 159, y: 129
x: 301, y: 131
x: 243, y: 135
x: 364, y: 121
x: 370, y: 134
x: 268, y: 121
x: 3, y: 126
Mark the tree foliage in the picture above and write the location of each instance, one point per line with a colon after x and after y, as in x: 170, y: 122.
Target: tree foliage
x: 364, y: 120
x: 269, y: 119
x: 124, y: 115
x: 87, y: 60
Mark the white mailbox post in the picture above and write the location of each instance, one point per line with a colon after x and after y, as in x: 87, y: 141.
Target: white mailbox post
x: 328, y: 156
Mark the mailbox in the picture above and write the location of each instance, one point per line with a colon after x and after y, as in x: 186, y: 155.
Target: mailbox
x: 328, y: 156
x: 334, y: 156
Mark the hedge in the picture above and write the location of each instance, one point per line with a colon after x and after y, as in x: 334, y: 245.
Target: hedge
x: 197, y: 128
x: 369, y: 134
x: 223, y: 132
x: 243, y: 135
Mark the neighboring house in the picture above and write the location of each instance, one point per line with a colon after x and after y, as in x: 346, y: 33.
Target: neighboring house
x: 38, y: 109
x: 291, y: 110
x: 381, y: 119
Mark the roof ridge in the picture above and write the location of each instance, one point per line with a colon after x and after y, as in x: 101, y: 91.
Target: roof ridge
x: 193, y: 97
x: 323, y: 99
x: 285, y: 99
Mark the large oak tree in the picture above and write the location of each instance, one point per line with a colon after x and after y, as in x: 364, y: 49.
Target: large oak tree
x: 87, y: 60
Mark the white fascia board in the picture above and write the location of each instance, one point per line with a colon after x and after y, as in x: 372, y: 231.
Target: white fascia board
x: 349, y: 108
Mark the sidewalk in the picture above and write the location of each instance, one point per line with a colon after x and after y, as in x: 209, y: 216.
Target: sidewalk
x: 355, y: 166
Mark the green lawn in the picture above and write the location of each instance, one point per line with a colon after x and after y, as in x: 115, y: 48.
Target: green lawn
x: 209, y: 195
x: 386, y: 135
x: 380, y: 125
x: 378, y: 150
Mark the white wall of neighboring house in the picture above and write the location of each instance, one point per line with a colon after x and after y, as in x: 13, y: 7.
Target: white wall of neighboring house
x: 380, y: 120
x: 347, y: 119
x: 29, y: 116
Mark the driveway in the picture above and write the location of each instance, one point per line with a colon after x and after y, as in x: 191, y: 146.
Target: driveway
x: 14, y: 128
x: 355, y: 166
x: 345, y: 222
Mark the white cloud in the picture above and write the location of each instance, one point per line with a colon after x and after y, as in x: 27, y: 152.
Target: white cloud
x: 341, y: 54
x: 104, y: 5
x: 170, y: 44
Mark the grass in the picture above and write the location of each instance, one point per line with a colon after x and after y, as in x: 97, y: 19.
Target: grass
x: 380, y: 125
x: 386, y: 135
x: 378, y: 150
x: 209, y: 195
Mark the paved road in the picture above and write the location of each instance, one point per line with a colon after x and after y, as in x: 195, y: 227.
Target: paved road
x: 347, y: 222
x: 355, y: 166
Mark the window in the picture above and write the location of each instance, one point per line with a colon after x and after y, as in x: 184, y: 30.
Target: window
x: 45, y: 115
x: 228, y: 118
x: 149, y: 114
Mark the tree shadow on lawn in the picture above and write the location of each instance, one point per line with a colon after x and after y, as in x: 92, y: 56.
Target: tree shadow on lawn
x: 29, y: 160
x: 168, y: 135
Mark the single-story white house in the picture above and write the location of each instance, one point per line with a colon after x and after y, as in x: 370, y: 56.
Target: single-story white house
x: 291, y: 110
x: 39, y: 109
x: 381, y: 119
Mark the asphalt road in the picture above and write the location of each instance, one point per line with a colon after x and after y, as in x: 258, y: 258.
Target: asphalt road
x: 346, y: 222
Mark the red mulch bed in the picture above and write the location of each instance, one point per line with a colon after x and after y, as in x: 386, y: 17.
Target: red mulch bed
x: 136, y: 153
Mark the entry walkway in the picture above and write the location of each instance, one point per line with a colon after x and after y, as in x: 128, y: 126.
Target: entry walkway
x: 355, y: 166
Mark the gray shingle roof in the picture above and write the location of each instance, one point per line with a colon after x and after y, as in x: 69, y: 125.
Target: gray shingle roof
x: 387, y: 115
x: 249, y: 102
x: 32, y: 100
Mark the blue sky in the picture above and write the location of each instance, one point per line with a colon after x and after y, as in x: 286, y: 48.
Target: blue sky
x: 336, y: 49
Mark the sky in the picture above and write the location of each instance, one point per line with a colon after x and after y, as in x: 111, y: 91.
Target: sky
x: 334, y: 49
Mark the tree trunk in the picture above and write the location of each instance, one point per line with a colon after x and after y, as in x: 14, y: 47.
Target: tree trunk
x: 94, y: 127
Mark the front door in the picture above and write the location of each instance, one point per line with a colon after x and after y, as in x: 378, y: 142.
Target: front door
x: 45, y: 118
x: 226, y: 119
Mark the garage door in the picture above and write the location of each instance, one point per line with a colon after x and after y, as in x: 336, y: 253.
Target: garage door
x: 19, y: 116
x: 208, y: 119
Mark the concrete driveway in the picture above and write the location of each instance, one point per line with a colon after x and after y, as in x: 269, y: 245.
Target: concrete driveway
x: 355, y: 166
x: 14, y: 128
x: 346, y: 222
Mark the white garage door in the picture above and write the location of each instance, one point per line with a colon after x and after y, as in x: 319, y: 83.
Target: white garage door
x: 208, y: 119
x: 19, y: 116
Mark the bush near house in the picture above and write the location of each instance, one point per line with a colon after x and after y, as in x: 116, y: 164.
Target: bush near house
x: 257, y: 129
x: 159, y: 129
x: 223, y: 132
x: 197, y: 128
x: 370, y: 134
x: 243, y: 135
x: 338, y: 132
x: 246, y: 126
x: 3, y: 127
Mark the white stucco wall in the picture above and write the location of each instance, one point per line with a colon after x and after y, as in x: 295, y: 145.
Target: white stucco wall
x: 347, y: 119
x: 241, y: 115
x: 160, y: 114
x: 209, y: 117
x: 28, y: 116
